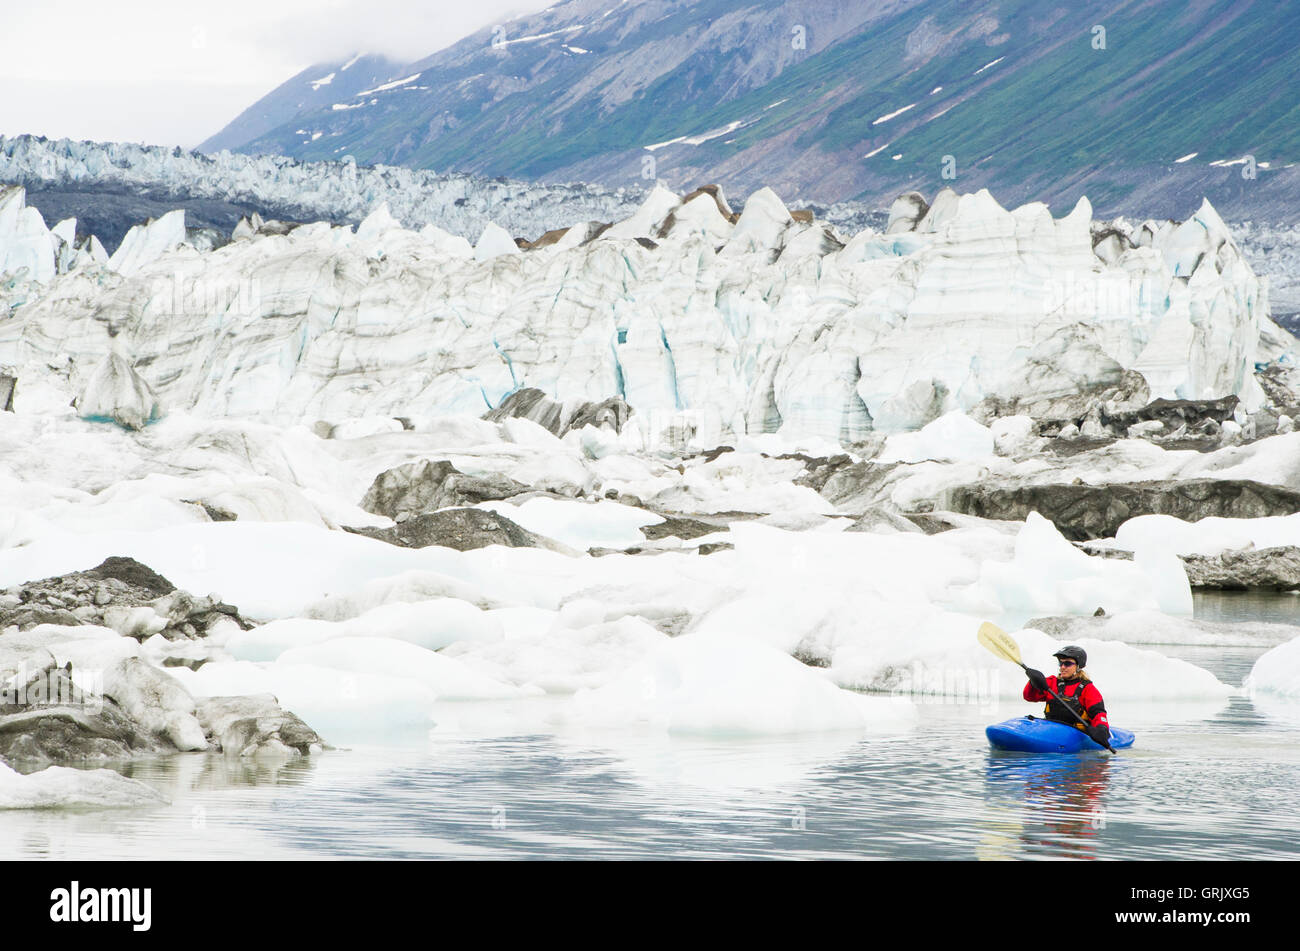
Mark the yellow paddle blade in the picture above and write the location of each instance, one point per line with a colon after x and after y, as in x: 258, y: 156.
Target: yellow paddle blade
x: 999, y: 642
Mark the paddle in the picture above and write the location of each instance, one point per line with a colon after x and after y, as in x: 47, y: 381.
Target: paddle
x: 1001, y: 643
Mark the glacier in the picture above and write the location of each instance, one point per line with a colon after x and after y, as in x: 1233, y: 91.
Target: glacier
x: 458, y: 203
x: 734, y: 324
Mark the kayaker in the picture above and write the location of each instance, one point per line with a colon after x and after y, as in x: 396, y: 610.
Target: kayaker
x: 1073, y: 685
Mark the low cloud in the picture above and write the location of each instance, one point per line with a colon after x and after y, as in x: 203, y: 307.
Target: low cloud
x: 173, y: 73
x: 401, y: 29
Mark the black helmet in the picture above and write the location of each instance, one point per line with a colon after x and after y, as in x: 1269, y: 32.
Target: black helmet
x: 1076, y: 654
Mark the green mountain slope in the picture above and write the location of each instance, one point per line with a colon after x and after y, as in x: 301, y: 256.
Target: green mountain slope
x: 828, y: 101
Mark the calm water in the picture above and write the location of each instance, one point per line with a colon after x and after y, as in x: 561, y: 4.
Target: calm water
x: 1216, y: 780
x: 1247, y: 606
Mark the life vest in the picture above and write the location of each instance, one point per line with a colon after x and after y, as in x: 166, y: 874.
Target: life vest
x: 1059, y: 712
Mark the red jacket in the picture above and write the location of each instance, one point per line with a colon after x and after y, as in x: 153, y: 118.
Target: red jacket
x: 1084, y: 694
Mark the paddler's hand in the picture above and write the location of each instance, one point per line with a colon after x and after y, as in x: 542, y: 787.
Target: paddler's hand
x: 1100, y: 734
x: 1036, y: 678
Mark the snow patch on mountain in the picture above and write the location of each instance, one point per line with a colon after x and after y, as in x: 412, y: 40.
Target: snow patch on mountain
x: 702, y: 137
x: 890, y: 115
x: 538, y: 36
x: 391, y: 85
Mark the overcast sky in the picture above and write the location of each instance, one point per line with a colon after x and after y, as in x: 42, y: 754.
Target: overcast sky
x: 173, y: 72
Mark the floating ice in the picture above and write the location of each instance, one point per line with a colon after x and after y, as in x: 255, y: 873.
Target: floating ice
x: 271, y: 570
x: 715, y: 684
x: 155, y: 701
x: 565, y: 657
x: 1278, y: 671
x: 446, y: 677
x: 1051, y: 576
x: 1152, y: 627
x: 430, y: 624
x: 1208, y: 536
x: 58, y: 787
x: 340, y: 705
x: 1127, y: 674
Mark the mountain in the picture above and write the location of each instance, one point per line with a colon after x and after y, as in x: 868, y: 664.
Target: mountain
x: 313, y: 89
x: 1140, y: 103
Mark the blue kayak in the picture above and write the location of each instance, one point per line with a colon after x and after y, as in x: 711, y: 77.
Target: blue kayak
x: 1035, y: 735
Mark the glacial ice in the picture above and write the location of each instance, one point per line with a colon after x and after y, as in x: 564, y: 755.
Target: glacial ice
x: 446, y: 677
x: 155, y: 701
x: 494, y: 242
x: 1278, y: 671
x: 146, y: 243
x: 363, y: 668
x: 951, y: 437
x: 115, y: 391
x: 25, y: 244
x: 289, y: 370
x: 1134, y: 674
x: 732, y: 686
x: 340, y: 705
x: 762, y: 225
x: 65, y: 787
x: 456, y: 204
x: 277, y: 583
x: 432, y: 625
x: 579, y: 525
x: 1209, y: 536
x: 700, y: 325
x: 1155, y: 629
x: 1048, y: 570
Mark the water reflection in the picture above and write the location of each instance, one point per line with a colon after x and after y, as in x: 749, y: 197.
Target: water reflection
x: 1044, y: 806
x: 1271, y: 606
x: 175, y: 776
x: 1274, y: 710
x: 660, y: 761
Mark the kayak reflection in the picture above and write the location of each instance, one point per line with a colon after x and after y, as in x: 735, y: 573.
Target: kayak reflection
x: 1043, y: 806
